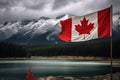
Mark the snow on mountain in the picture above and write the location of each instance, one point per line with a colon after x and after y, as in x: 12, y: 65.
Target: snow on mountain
x: 63, y: 17
x: 116, y: 27
x: 9, y: 30
x: 41, y: 30
x: 42, y: 27
x: 1, y: 25
x: 26, y: 29
x: 115, y: 22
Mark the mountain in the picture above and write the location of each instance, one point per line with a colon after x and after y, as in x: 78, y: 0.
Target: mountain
x: 9, y: 29
x: 116, y: 28
x: 40, y: 31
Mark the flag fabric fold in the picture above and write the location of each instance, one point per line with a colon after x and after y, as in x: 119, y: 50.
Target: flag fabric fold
x: 87, y: 27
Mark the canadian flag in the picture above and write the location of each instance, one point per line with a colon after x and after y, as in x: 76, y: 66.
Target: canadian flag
x: 87, y: 27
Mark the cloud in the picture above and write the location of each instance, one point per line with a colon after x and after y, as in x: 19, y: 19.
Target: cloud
x: 61, y: 3
x: 35, y: 4
x: 4, y: 4
x: 82, y: 7
x: 33, y: 9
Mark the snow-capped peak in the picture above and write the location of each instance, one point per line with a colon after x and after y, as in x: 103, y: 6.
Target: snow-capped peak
x: 9, y: 30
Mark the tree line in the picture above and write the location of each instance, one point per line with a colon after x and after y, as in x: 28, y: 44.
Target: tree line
x: 98, y: 49
x: 11, y: 50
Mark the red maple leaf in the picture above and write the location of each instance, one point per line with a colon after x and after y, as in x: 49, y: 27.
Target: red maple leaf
x: 84, y: 28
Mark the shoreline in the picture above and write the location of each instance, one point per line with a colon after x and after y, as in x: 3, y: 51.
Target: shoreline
x: 116, y: 62
x: 59, y: 57
x: 115, y: 76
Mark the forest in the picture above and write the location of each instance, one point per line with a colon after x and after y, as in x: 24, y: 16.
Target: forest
x: 97, y: 49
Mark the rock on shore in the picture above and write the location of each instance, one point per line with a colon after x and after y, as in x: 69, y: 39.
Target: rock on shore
x: 115, y: 76
x: 57, y: 78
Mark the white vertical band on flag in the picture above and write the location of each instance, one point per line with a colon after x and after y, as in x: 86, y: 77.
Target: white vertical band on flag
x: 92, y: 18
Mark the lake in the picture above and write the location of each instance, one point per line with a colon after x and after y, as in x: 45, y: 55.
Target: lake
x: 17, y: 69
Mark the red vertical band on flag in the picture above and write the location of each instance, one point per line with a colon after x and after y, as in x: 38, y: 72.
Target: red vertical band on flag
x: 104, y: 23
x: 65, y: 34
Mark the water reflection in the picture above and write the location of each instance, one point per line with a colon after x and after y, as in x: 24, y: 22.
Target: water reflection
x: 17, y: 70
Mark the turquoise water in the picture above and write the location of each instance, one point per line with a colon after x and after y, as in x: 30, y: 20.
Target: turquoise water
x: 17, y: 69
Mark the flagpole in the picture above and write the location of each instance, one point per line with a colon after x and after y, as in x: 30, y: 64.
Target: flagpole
x: 111, y: 59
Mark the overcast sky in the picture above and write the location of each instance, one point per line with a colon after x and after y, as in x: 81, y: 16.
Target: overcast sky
x: 33, y: 9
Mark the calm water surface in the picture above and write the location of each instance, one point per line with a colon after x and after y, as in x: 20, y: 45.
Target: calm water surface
x: 17, y: 69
